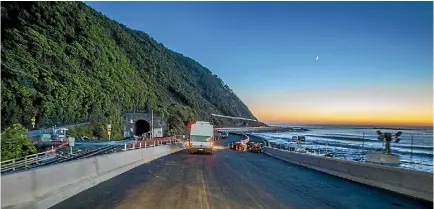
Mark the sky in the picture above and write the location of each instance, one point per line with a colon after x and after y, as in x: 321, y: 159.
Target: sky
x: 375, y: 61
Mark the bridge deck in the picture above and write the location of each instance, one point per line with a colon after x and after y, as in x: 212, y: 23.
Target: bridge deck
x: 228, y: 179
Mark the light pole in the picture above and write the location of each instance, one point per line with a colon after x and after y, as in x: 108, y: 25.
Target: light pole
x: 363, y: 144
x: 387, y: 138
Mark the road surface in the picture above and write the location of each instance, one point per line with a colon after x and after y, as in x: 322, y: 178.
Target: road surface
x: 228, y: 179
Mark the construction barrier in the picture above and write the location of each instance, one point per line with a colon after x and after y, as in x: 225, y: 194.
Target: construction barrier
x: 241, y: 145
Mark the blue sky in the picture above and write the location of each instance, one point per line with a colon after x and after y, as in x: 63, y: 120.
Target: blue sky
x: 266, y: 50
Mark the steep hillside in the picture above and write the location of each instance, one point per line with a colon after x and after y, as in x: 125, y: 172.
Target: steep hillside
x: 67, y: 63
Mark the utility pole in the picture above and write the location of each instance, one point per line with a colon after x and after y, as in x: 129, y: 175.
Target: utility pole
x: 363, y: 145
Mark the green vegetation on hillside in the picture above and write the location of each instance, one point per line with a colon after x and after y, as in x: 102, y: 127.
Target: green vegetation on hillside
x: 15, y: 143
x: 67, y: 63
x: 93, y: 131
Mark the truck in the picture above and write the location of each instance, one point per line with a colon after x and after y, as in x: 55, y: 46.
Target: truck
x: 201, y: 137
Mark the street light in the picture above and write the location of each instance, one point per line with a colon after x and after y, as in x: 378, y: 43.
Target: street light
x: 387, y: 138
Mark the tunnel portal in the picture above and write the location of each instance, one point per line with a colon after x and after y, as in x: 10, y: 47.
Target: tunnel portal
x: 141, y: 127
x: 137, y: 123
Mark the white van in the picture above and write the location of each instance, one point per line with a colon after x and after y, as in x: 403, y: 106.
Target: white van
x: 201, y: 137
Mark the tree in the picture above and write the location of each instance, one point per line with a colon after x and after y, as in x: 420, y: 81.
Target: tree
x: 80, y: 131
x: 15, y: 143
x: 98, y: 130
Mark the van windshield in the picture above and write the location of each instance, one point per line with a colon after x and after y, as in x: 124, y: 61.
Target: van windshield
x: 199, y: 138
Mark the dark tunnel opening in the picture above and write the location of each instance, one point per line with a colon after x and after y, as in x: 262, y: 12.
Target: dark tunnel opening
x: 141, y: 126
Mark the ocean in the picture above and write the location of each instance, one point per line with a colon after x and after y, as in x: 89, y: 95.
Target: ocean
x: 415, y: 147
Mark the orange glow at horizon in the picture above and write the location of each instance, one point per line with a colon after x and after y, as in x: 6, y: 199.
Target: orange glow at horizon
x: 293, y: 117
x: 403, y: 106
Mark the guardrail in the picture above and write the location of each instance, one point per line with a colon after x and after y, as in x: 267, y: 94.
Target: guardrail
x: 27, y: 161
x: 31, y: 160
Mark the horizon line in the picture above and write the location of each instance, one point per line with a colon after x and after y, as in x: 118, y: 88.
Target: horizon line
x: 349, y: 124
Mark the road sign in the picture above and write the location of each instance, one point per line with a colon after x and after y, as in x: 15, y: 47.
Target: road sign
x: 33, y: 122
x: 109, y: 130
x: 71, y: 141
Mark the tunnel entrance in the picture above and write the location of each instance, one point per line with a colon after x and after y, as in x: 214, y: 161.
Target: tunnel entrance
x: 141, y: 127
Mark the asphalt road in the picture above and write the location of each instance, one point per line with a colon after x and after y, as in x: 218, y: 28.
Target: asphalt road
x: 228, y: 179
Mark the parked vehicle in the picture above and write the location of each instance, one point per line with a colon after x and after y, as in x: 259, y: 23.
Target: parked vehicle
x: 224, y: 134
x: 255, y: 147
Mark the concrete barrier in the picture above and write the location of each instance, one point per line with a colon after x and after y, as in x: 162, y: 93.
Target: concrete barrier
x: 412, y: 183
x: 47, y: 186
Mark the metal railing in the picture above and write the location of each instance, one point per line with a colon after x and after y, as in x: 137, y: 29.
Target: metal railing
x: 150, y: 143
x: 50, y: 156
x: 27, y: 161
x: 356, y: 151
